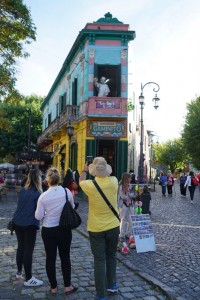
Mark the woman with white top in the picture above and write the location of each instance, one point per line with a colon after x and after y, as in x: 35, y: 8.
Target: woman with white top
x: 191, y: 187
x: 49, y: 208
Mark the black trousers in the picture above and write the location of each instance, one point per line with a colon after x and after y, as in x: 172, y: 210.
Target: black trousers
x: 183, y: 189
x: 54, y: 239
x: 26, y: 237
x: 169, y: 189
x: 191, y: 190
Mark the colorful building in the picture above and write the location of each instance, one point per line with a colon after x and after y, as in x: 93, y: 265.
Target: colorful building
x: 79, y: 120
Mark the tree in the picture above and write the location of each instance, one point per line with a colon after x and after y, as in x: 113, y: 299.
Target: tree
x: 171, y: 153
x: 21, y: 117
x: 191, y: 132
x: 17, y: 29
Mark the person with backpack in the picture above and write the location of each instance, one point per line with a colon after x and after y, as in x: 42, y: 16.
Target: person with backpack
x: 183, y: 189
x: 170, y: 183
x: 191, y: 182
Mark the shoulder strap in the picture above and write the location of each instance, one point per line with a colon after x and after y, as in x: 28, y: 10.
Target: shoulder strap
x: 66, y: 195
x: 106, y: 200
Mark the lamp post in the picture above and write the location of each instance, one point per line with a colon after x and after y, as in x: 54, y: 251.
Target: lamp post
x: 70, y: 133
x: 141, y: 102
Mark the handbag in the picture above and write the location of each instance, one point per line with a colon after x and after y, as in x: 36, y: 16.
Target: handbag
x: 11, y: 226
x: 106, y: 200
x: 69, y: 218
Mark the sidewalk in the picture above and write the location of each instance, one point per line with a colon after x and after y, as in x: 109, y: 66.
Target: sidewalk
x: 132, y: 286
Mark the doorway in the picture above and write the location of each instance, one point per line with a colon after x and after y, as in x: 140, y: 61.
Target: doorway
x: 108, y: 150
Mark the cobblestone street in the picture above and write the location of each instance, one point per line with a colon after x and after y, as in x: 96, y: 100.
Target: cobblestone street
x: 172, y: 272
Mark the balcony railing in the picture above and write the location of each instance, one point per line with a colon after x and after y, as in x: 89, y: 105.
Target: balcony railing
x: 104, y: 107
x: 112, y: 107
x: 70, y: 112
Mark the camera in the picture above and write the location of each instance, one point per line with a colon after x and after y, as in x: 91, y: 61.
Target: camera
x: 89, y: 160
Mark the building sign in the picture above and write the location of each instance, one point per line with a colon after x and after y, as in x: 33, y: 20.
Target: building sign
x: 108, y: 104
x: 106, y: 129
x: 35, y: 162
x: 143, y: 233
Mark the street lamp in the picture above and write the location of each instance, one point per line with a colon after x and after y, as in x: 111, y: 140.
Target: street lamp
x: 70, y: 133
x: 141, y: 102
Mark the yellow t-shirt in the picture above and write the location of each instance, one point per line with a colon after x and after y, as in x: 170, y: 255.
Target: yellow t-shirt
x: 100, y: 216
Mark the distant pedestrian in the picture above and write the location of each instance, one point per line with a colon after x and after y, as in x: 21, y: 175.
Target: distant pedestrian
x: 170, y: 183
x: 49, y: 208
x: 163, y: 182
x: 103, y: 224
x: 145, y: 198
x: 191, y: 186
x: 183, y: 189
x: 26, y: 226
x: 198, y: 177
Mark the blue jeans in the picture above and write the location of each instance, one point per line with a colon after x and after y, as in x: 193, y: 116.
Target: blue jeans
x: 163, y: 189
x: 104, y: 248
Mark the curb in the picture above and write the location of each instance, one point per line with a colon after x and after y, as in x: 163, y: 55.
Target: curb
x: 167, y: 291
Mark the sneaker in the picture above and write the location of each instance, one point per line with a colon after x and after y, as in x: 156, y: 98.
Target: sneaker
x: 33, y: 282
x: 192, y: 202
x: 100, y: 298
x: 19, y: 275
x: 113, y: 289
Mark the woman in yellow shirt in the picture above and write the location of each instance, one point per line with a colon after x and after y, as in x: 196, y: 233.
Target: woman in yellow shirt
x: 102, y: 225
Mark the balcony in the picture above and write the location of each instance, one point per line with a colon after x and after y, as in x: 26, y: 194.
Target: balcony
x: 108, y: 107
x: 114, y: 107
x: 70, y: 112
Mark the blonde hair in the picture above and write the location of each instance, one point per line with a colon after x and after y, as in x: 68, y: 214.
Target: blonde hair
x: 34, y: 180
x: 124, y: 182
x: 53, y: 176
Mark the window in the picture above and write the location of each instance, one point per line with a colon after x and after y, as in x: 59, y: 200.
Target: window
x: 75, y: 91
x: 49, y: 119
x: 113, y: 73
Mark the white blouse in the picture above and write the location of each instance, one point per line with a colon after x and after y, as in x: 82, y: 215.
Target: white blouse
x: 50, y: 205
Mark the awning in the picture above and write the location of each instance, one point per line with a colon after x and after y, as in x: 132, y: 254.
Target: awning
x: 62, y: 149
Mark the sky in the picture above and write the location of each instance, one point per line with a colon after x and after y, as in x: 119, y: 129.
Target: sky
x: 166, y: 50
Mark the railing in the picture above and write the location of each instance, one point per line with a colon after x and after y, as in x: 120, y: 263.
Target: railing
x: 70, y: 112
x: 112, y: 107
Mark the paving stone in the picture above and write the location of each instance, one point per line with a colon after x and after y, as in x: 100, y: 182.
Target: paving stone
x: 172, y: 272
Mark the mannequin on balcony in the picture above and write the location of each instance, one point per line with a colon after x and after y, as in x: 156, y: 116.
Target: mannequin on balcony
x: 102, y: 87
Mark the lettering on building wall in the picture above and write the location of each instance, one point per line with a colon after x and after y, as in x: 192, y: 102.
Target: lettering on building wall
x: 106, y: 129
x: 108, y: 104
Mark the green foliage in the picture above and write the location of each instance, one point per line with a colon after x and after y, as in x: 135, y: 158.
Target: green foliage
x: 17, y: 29
x: 130, y: 106
x: 191, y: 132
x: 171, y: 153
x: 14, y: 138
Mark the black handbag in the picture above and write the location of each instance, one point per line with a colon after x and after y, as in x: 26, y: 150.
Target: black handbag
x: 11, y: 226
x: 69, y: 218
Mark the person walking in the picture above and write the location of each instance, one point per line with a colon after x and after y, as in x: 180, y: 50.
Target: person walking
x: 26, y: 227
x: 183, y: 189
x: 102, y: 224
x: 189, y: 183
x: 125, y: 204
x: 49, y: 208
x: 163, y: 183
x: 170, y: 183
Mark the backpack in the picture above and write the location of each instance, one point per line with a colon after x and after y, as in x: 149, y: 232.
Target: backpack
x: 194, y: 181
